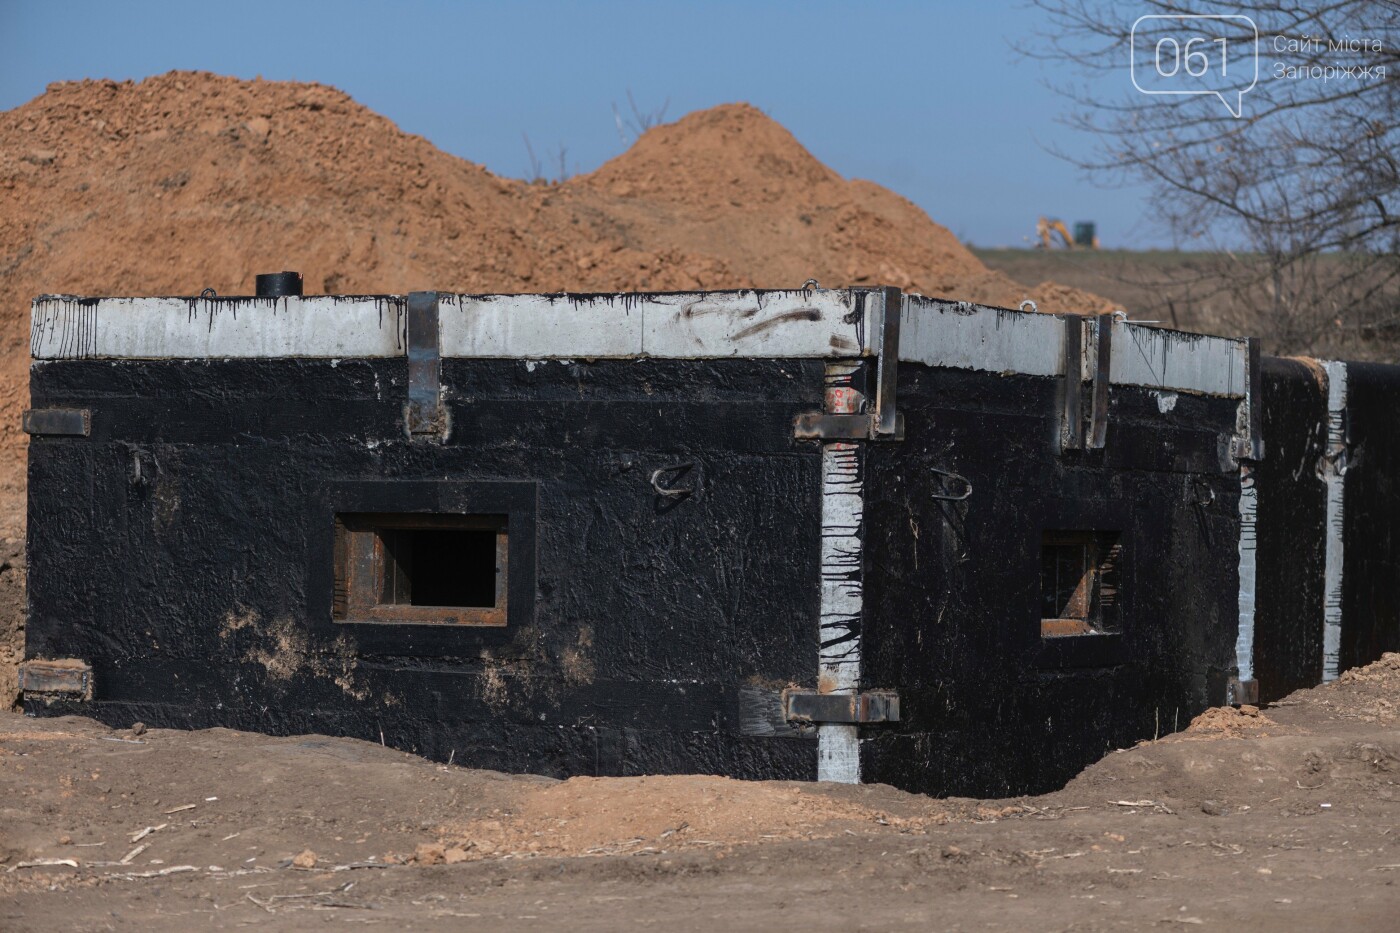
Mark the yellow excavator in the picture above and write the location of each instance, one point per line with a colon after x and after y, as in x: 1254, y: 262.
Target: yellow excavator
x: 1048, y: 228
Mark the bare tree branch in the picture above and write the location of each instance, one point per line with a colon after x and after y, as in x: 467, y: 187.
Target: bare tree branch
x: 1300, y: 194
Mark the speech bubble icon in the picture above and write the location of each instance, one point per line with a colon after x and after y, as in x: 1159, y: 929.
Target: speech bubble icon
x: 1216, y: 54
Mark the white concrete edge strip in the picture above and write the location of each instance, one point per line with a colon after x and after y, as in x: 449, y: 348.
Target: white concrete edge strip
x: 842, y: 597
x: 1168, y: 359
x: 1249, y: 515
x: 1334, y: 469
x: 192, y: 328
x: 959, y: 335
x: 793, y: 324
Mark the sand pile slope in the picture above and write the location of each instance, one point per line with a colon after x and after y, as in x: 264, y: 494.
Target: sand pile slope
x: 189, y: 180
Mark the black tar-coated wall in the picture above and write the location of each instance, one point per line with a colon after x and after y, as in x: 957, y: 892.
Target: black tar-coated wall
x: 990, y: 707
x: 1371, y: 531
x: 1293, y: 524
x: 185, y: 550
x: 1290, y: 528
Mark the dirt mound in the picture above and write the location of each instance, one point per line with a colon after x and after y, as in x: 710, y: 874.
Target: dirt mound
x: 1288, y: 827
x: 587, y: 816
x: 1223, y: 721
x: 252, y: 789
x: 1368, y: 694
x: 1384, y: 674
x: 731, y: 183
x: 1329, y: 746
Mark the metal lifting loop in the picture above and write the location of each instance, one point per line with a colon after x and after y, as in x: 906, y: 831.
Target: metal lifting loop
x: 672, y: 492
x: 957, y: 476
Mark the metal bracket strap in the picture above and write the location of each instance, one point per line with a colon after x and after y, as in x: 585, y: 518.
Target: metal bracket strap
x: 884, y: 421
x: 63, y: 422
x: 887, y: 371
x: 1248, y: 442
x: 869, y: 707
x: 1240, y: 692
x: 69, y: 677
x: 1073, y: 435
x: 819, y: 426
x: 1072, y: 405
x: 1103, y: 361
x: 1255, y: 401
x: 424, y: 414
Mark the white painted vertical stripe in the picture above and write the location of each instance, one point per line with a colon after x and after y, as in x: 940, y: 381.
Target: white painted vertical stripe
x: 843, y: 511
x: 1249, y: 512
x: 1334, y: 475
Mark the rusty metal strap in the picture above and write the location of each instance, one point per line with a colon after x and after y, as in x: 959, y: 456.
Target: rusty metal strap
x: 882, y: 420
x: 1072, y: 412
x: 1255, y: 402
x: 1248, y: 442
x: 66, y: 677
x: 64, y: 422
x: 1239, y: 692
x: 1103, y: 361
x: 869, y: 707
x: 424, y: 414
x: 819, y: 426
x: 887, y: 374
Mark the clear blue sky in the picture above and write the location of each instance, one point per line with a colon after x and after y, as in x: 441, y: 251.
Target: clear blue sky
x: 925, y: 98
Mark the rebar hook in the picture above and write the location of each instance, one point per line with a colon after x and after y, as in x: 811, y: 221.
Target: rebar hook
x: 672, y: 492
x: 957, y: 476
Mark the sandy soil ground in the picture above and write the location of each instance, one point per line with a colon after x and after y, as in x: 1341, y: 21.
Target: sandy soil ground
x: 1285, y: 819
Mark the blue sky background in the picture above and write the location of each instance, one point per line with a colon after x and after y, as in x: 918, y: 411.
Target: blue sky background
x: 925, y: 98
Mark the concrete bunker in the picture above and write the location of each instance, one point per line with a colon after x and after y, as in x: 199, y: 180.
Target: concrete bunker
x: 843, y: 534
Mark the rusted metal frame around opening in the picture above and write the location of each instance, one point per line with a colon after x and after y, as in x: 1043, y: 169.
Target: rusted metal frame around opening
x: 365, y: 572
x: 883, y: 421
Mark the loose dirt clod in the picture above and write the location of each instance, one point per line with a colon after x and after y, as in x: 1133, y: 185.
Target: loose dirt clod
x: 1226, y: 721
x: 429, y: 853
